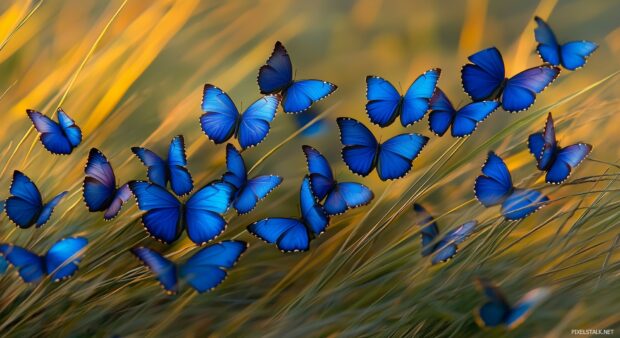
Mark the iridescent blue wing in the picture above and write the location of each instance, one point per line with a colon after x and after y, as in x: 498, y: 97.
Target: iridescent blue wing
x: 565, y: 161
x: 288, y: 234
x: 123, y: 193
x: 416, y: 100
x: 447, y: 246
x: 396, y: 155
x: 442, y: 113
x: 483, y: 77
x: 301, y: 95
x: 345, y: 196
x: 312, y: 213
x: 71, y: 130
x: 220, y: 119
x: 550, y: 146
x: 548, y: 48
x: 429, y: 230
x: 25, y: 205
x: 495, y: 183
x: 360, y: 147
x: 255, y: 121
x: 157, y: 169
x: 575, y: 53
x: 203, y: 211
x: 277, y: 74
x: 208, y: 267
x: 162, y: 219
x: 99, y: 186
x: 236, y: 173
x: 522, y: 202
x: 31, y: 267
x: 165, y: 271
x: 467, y: 118
x: 320, y: 172
x: 525, y: 306
x: 520, y: 90
x: 254, y: 191
x: 384, y: 101
x: 180, y: 179
x: 62, y: 259
x: 48, y: 208
x: 495, y: 311
x: 52, y: 135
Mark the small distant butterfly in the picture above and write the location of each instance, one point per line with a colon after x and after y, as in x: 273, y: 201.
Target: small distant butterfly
x: 445, y: 248
x: 571, y: 55
x: 294, y: 234
x: 362, y: 153
x: 339, y: 196
x: 464, y: 121
x: 498, y: 311
x: 200, y: 215
x: 25, y: 206
x: 221, y: 119
x: 248, y: 191
x: 485, y: 78
x: 204, y: 271
x: 385, y: 102
x: 277, y: 77
x: 99, y: 190
x: 60, y: 262
x: 494, y: 187
x: 558, y: 162
x: 173, y: 169
x: 60, y: 137
x: 318, y: 128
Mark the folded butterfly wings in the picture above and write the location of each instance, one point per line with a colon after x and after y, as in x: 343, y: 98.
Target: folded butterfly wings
x: 99, y: 189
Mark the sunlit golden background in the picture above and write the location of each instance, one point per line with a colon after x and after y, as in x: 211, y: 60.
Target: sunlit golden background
x: 131, y: 73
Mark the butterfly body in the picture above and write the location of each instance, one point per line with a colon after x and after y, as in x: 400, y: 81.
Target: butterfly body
x: 60, y: 137
x: 463, y: 121
x: 571, y: 55
x: 100, y: 191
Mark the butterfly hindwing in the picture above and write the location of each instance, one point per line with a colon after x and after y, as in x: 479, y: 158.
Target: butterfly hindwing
x: 163, y: 210
x: 61, y: 261
x: 360, y: 146
x: 220, y: 118
x: 99, y: 188
x: 256, y: 121
x: 520, y: 91
x: 396, y: 155
x: 495, y: 183
x: 204, y: 209
x: 415, y: 102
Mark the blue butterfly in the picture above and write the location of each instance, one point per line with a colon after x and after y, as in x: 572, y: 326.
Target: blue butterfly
x: 200, y: 215
x: 294, y: 234
x: 571, y: 55
x: 221, y: 119
x: 173, y: 170
x: 445, y: 248
x: 339, y: 196
x: 61, y: 137
x: 484, y: 78
x: 25, y: 207
x: 247, y: 192
x: 318, y: 128
x: 463, y: 121
x: 385, y: 102
x: 99, y: 190
x: 558, y: 162
x: 277, y: 77
x: 205, y: 270
x: 497, y: 311
x: 60, y: 262
x: 362, y: 153
x: 494, y: 187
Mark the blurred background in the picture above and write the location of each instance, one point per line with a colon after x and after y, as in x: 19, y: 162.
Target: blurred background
x: 131, y: 73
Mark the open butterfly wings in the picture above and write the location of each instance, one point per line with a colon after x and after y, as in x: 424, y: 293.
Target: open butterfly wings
x: 276, y: 76
x: 60, y: 137
x: 571, y: 55
x: 25, y: 206
x: 464, y: 121
x: 385, y: 103
x: 99, y: 189
x: 339, y: 196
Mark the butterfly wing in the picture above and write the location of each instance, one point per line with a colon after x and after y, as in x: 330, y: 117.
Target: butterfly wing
x: 180, y: 179
x: 52, y: 135
x: 483, y: 77
x: 429, y: 230
x: 31, y: 267
x: 255, y: 121
x: 495, y: 311
x: 566, y: 160
x: 321, y: 175
x: 25, y: 205
x: 301, y: 95
x: 360, y: 147
x: 163, y: 210
x: 416, y: 101
x: 442, y: 113
x: 548, y: 48
x: 99, y: 185
x: 384, y: 101
x: 495, y: 183
x: 345, y: 196
x: 396, y: 155
x: 312, y: 212
x: 277, y: 74
x: 236, y: 174
x: 165, y: 271
x: 575, y: 53
x: 157, y: 169
x: 62, y: 259
x: 254, y: 191
x: 522, y: 202
x: 208, y: 267
x: 203, y: 211
x: 73, y: 133
x: 220, y: 118
x: 520, y: 90
x: 122, y: 195
x: 525, y: 306
x: 467, y: 118
x: 288, y: 234
x: 447, y: 246
x: 48, y: 208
